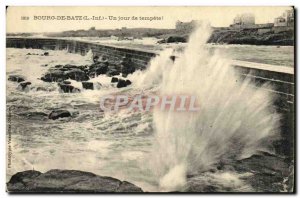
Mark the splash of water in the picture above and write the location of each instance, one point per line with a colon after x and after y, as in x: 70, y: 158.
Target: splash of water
x: 233, y: 121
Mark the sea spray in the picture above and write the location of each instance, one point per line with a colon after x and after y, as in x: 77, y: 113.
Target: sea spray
x: 233, y: 121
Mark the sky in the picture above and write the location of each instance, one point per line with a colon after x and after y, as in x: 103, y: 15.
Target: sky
x: 216, y: 16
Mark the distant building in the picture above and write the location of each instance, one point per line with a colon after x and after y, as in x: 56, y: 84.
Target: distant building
x: 285, y: 20
x: 244, y: 20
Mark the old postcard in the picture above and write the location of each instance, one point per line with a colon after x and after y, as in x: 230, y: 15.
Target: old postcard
x: 150, y: 99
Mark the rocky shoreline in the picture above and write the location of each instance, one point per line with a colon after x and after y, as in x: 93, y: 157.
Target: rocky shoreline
x: 67, y: 181
x: 252, y: 37
x: 262, y: 172
x: 241, y: 37
x: 61, y: 74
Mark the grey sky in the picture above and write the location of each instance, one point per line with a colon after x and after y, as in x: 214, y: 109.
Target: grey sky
x: 217, y: 16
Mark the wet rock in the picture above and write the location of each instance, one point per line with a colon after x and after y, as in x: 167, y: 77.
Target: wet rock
x: 114, y: 79
x: 95, y: 59
x: 68, y: 66
x: 76, y: 74
x: 46, y: 53
x: 173, y: 58
x: 127, y: 66
x: 88, y: 85
x: 174, y: 39
x: 61, y: 73
x: 113, y: 72
x: 83, y: 67
x: 54, y: 75
x: 24, y: 176
x: 63, y: 69
x: 16, y: 78
x: 262, y: 172
x: 67, y: 82
x: 98, y: 68
x: 123, y: 83
x: 55, y: 114
x: 128, y: 82
x: 67, y: 88
x: 68, y: 181
x: 23, y: 85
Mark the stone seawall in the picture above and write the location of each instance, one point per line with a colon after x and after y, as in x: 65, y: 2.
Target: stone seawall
x: 139, y: 58
x: 281, y: 81
x: 280, y: 78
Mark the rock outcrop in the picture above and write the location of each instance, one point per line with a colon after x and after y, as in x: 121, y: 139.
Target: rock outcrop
x: 123, y: 83
x: 252, y: 37
x: 174, y: 39
x: 60, y: 73
x: 16, y: 78
x: 88, y: 85
x: 98, y: 69
x: 68, y: 88
x: 261, y: 172
x: 69, y: 181
x: 114, y: 80
x: 55, y: 114
x: 23, y: 85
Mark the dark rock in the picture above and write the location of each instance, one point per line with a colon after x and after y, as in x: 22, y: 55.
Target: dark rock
x: 173, y: 58
x: 121, y: 83
x: 262, y: 172
x: 55, y: 114
x: 63, y: 69
x: 54, y: 75
x: 127, y: 66
x: 46, y: 53
x: 67, y: 88
x: 83, y: 67
x: 23, y: 85
x: 174, y: 39
x: 252, y: 37
x: 114, y: 79
x: 68, y: 181
x: 16, y: 78
x: 98, y: 68
x: 61, y: 73
x: 128, y: 82
x: 95, y: 59
x: 67, y: 82
x: 68, y: 66
x: 76, y: 74
x: 24, y: 176
x: 113, y: 72
x: 88, y: 85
